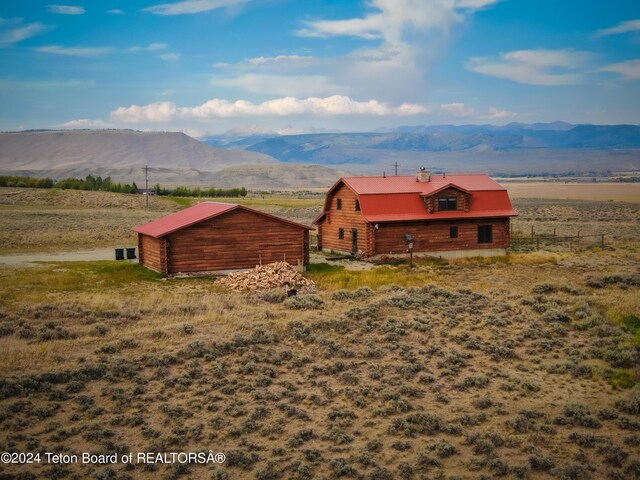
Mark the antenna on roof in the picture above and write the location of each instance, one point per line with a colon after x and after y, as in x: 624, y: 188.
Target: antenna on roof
x: 384, y: 174
x: 396, y: 164
x: 444, y: 175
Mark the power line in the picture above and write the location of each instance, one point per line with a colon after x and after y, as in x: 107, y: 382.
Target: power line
x: 146, y: 183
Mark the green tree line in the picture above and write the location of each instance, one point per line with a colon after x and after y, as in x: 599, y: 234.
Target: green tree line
x: 106, y: 185
x: 28, y: 182
x: 200, y: 192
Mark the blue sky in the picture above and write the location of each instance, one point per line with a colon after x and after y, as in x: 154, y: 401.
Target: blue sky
x: 207, y: 66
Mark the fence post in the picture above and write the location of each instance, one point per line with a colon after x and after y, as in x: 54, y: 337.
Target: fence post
x: 531, y: 231
x: 602, y: 241
x: 554, y: 232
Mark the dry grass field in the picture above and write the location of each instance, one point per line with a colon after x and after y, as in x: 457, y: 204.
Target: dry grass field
x: 519, y: 367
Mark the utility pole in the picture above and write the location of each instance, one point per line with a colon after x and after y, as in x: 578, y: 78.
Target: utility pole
x: 146, y: 183
x: 396, y: 167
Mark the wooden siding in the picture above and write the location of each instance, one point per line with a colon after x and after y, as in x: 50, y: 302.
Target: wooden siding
x: 152, y: 252
x: 463, y: 198
x: 434, y: 236
x: 348, y: 218
x: 235, y: 240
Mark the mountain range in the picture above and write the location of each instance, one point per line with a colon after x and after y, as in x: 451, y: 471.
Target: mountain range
x: 259, y: 159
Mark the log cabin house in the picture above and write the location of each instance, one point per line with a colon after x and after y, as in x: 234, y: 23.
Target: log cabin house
x: 220, y: 237
x: 440, y: 215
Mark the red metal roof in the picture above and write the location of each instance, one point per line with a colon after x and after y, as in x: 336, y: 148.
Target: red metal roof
x: 396, y: 199
x: 196, y: 214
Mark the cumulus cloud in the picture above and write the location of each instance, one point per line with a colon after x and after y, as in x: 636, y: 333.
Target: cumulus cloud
x: 623, y: 27
x: 192, y: 6
x: 17, y: 34
x: 495, y: 114
x: 66, y: 10
x: 152, y: 113
x: 115, y: 11
x: 457, y: 109
x: 85, y: 123
x: 336, y: 105
x: 534, y: 67
x: 74, y: 51
x: 630, y: 69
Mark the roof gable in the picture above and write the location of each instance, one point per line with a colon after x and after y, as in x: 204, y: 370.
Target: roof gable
x: 196, y: 214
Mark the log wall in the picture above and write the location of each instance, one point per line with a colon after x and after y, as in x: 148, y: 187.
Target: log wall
x: 238, y: 239
x: 152, y: 253
x: 347, y: 218
x: 434, y: 236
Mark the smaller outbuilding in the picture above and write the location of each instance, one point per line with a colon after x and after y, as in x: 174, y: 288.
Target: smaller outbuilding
x: 219, y: 237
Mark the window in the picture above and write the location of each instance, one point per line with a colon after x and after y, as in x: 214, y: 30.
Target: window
x: 447, y: 204
x: 341, y: 233
x: 485, y: 234
x: 357, y: 205
x: 339, y: 206
x: 453, y: 232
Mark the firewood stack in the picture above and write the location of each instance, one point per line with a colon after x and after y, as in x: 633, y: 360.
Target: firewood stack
x: 273, y: 275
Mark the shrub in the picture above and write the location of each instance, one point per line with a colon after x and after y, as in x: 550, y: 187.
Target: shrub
x: 305, y: 302
x: 274, y: 295
x: 417, y: 423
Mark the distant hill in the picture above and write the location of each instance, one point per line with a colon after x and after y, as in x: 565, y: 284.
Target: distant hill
x: 173, y: 159
x: 516, y: 148
x: 115, y: 149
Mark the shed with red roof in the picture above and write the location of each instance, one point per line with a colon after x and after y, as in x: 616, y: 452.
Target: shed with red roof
x: 442, y: 215
x: 214, y: 237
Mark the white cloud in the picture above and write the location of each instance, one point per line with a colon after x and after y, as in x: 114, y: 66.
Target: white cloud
x: 170, y: 57
x: 66, y: 10
x: 390, y: 19
x: 534, y: 67
x: 74, y: 51
x: 283, y: 60
x: 85, y: 123
x: 295, y: 85
x: 115, y: 11
x: 630, y: 69
x: 15, y: 35
x: 457, y: 109
x: 336, y: 105
x: 152, y: 47
x: 623, y: 27
x: 495, y: 114
x: 193, y: 132
x: 152, y: 113
x: 192, y: 6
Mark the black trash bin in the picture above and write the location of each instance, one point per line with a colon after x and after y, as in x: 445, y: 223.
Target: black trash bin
x: 119, y: 253
x: 131, y: 253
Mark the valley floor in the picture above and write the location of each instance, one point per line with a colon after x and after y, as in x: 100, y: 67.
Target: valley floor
x: 525, y: 366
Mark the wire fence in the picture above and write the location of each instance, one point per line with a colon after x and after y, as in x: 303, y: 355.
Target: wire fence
x: 553, y: 242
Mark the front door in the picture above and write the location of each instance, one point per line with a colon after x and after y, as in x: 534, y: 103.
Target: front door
x: 354, y: 240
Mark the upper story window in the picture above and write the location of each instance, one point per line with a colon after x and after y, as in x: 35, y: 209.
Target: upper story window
x: 357, y: 205
x: 339, y: 204
x: 447, y: 204
x: 341, y: 233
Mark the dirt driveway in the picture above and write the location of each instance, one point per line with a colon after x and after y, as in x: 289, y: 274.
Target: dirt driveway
x: 82, y: 255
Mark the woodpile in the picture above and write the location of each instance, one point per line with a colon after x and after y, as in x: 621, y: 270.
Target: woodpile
x: 273, y: 275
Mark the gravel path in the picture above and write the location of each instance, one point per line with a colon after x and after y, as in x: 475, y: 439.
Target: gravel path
x: 81, y: 255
